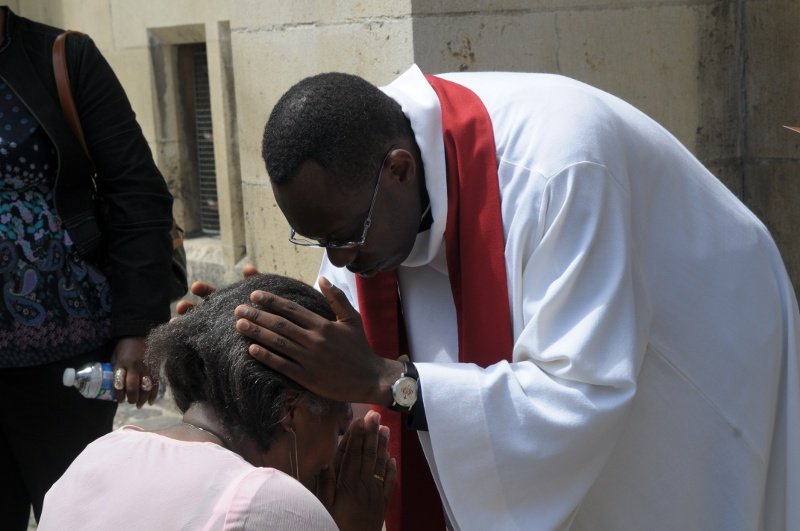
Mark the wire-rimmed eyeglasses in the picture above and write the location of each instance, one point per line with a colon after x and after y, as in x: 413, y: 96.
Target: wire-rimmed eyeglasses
x: 331, y: 244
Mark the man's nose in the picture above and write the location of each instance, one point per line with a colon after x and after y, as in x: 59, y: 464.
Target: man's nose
x: 342, y: 257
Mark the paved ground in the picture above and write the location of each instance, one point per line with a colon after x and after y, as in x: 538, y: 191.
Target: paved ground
x: 160, y: 415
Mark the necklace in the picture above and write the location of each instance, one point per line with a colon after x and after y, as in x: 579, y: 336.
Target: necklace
x: 426, y: 220
x: 427, y: 209
x: 212, y: 432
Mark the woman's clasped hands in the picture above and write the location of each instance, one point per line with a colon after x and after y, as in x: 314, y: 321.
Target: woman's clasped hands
x: 357, y: 487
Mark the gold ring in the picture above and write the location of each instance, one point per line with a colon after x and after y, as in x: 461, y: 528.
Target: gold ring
x: 378, y: 477
x: 147, y: 383
x: 119, y: 379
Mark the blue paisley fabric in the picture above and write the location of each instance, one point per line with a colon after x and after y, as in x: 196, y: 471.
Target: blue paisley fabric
x: 54, y: 304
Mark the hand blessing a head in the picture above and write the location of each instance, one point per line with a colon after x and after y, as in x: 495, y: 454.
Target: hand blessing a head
x: 202, y: 289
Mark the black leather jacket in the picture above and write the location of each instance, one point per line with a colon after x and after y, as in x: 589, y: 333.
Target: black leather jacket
x: 135, y: 238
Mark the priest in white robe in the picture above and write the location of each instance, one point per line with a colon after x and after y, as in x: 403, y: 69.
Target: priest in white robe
x: 653, y: 378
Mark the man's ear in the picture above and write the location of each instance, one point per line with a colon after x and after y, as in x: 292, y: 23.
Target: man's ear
x: 402, y: 166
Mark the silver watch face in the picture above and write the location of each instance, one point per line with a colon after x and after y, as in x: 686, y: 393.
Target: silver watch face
x: 404, y: 391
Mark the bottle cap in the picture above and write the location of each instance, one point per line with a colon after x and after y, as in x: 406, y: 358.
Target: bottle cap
x: 69, y: 377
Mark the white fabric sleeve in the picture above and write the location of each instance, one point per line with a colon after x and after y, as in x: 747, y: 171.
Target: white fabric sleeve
x: 266, y: 499
x: 531, y: 436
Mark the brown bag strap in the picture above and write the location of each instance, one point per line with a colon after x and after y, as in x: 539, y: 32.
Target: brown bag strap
x: 64, y: 90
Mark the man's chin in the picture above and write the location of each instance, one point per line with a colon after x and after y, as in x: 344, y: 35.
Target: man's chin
x: 371, y: 272
x: 364, y: 273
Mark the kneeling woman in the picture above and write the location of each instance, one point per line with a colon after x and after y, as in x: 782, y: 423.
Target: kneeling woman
x: 252, y: 448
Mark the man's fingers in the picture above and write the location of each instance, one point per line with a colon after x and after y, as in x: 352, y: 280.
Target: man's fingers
x: 338, y: 300
x: 183, y: 306
x: 264, y: 319
x: 202, y: 289
x: 249, y: 271
x: 287, y: 309
x: 279, y: 363
x: 271, y: 331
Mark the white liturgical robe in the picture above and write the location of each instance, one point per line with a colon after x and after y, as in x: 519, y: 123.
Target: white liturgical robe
x: 654, y: 379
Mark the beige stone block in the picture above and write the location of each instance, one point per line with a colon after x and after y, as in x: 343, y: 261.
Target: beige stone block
x: 226, y: 154
x: 646, y: 56
x: 487, y: 7
x: 205, y: 260
x: 134, y: 70
x: 44, y: 11
x: 267, y: 236
x: 259, y: 13
x: 516, y: 7
x: 131, y: 20
x: 370, y: 48
x: 772, y: 74
x: 182, y: 34
x: 168, y: 161
x: 486, y: 42
x: 92, y: 17
x: 718, y: 134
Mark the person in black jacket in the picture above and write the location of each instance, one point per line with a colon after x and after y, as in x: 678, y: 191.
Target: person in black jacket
x: 77, y: 287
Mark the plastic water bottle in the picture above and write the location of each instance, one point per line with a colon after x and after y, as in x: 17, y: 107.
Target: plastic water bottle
x: 94, y: 380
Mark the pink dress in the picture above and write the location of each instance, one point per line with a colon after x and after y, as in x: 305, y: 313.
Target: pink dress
x: 132, y: 480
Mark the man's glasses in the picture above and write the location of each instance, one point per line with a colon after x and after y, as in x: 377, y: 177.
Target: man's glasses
x: 330, y: 244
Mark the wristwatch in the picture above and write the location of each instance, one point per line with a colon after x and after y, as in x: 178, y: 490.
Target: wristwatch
x: 405, y: 389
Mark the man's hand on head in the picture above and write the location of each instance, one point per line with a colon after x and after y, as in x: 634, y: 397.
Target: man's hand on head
x: 203, y: 289
x: 330, y: 358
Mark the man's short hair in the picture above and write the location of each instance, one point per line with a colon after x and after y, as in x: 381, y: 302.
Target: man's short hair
x: 340, y: 121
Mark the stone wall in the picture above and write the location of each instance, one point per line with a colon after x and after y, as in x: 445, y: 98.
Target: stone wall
x: 720, y: 75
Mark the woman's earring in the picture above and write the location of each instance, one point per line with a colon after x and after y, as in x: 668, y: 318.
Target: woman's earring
x: 294, y: 463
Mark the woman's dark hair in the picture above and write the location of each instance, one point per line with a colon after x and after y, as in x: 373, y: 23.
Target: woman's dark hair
x: 340, y: 121
x: 206, y: 360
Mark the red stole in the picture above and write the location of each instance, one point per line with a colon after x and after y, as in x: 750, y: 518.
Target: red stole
x: 476, y: 266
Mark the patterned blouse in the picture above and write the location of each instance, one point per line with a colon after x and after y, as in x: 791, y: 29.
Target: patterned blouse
x: 54, y: 305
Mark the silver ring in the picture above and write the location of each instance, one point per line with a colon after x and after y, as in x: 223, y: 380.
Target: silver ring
x: 378, y: 477
x: 146, y: 384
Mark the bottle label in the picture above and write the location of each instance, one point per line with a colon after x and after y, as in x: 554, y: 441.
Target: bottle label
x: 105, y: 394
x: 106, y: 391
